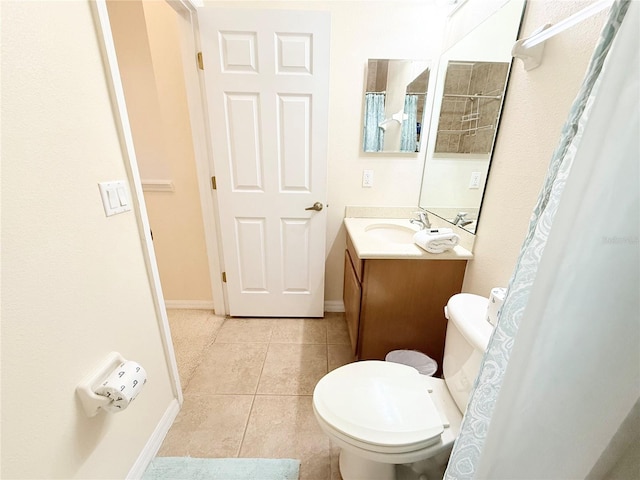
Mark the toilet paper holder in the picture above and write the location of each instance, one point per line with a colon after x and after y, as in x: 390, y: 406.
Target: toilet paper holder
x: 91, y: 402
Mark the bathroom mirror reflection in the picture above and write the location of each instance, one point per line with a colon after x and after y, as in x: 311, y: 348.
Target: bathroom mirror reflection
x: 470, y: 107
x: 394, y: 105
x: 468, y: 97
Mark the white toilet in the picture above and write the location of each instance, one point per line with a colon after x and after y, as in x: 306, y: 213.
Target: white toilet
x: 383, y: 414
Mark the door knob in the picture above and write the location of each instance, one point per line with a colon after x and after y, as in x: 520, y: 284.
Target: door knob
x: 316, y: 206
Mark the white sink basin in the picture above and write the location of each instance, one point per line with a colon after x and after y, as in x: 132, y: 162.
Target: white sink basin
x: 389, y: 232
x: 392, y: 238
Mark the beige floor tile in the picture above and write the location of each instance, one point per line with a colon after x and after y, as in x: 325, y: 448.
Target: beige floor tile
x: 299, y: 330
x: 208, y: 426
x: 335, y: 462
x: 191, y: 331
x: 314, y: 467
x: 285, y: 427
x: 338, y: 355
x: 226, y: 362
x: 231, y: 368
x: 245, y: 330
x: 292, y: 369
x: 337, y: 332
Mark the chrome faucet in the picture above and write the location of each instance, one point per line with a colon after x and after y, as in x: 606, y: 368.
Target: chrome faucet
x: 461, y: 219
x: 423, y: 220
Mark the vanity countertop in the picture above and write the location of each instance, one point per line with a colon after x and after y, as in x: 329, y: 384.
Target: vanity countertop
x: 369, y: 246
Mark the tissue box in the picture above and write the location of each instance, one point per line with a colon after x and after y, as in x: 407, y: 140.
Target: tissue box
x: 496, y: 299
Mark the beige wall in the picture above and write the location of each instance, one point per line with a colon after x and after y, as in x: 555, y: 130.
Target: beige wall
x: 360, y: 31
x: 74, y: 282
x: 149, y: 54
x: 536, y: 107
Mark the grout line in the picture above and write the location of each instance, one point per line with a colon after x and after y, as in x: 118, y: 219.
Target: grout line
x: 255, y: 393
x: 327, y: 352
x: 290, y: 394
x: 326, y: 338
x: 246, y: 426
x: 264, y: 361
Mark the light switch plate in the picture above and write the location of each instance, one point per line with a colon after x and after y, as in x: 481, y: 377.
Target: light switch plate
x: 115, y: 197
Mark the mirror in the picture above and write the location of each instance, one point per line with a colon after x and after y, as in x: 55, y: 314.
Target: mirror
x: 470, y: 107
x: 395, y: 100
x: 468, y: 97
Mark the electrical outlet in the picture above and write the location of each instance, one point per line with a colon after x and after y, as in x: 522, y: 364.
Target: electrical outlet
x: 367, y: 178
x: 475, y: 180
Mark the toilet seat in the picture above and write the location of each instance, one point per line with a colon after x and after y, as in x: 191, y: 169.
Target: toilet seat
x: 383, y: 405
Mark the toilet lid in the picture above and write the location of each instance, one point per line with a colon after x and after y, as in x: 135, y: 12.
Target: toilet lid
x: 380, y: 403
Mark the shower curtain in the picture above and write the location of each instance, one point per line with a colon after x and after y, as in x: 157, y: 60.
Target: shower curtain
x: 373, y: 136
x: 558, y: 393
x: 409, y: 124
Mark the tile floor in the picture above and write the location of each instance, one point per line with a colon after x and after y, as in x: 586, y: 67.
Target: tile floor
x: 247, y: 387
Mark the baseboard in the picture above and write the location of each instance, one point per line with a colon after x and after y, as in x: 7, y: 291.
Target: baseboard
x: 155, y: 441
x: 334, y: 306
x: 190, y: 304
x: 329, y: 305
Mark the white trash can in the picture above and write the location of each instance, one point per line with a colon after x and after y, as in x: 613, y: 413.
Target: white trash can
x: 418, y: 360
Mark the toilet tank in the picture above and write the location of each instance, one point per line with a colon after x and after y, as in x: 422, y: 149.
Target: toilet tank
x: 468, y: 333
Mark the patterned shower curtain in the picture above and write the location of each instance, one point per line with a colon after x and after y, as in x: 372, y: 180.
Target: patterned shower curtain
x: 467, y: 453
x: 373, y: 135
x: 408, y: 140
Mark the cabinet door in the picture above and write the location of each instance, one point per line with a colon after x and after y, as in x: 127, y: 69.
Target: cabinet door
x: 403, y: 306
x: 351, y: 296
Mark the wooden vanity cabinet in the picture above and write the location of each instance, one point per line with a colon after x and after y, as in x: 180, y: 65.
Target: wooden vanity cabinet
x: 398, y: 304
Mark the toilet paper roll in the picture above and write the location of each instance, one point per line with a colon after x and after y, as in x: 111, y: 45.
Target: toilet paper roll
x: 122, y: 385
x: 496, y: 299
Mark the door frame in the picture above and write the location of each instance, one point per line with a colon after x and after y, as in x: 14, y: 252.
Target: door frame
x: 121, y: 117
x: 204, y: 168
x: 190, y: 46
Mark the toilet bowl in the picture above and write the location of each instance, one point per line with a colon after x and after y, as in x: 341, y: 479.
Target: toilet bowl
x: 383, y: 414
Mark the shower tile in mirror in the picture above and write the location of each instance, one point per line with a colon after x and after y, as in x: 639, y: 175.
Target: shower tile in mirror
x: 471, y: 103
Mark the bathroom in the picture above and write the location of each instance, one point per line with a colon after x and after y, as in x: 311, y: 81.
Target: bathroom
x: 537, y: 103
x: 397, y: 178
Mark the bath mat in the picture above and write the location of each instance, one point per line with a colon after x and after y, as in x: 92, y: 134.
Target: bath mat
x: 187, y: 468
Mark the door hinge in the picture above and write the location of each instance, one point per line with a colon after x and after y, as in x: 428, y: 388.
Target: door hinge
x: 214, y: 186
x: 200, y: 61
x: 224, y: 277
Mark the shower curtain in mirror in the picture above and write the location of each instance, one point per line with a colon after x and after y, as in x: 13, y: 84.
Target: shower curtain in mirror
x: 559, y: 389
x: 409, y: 124
x: 373, y: 136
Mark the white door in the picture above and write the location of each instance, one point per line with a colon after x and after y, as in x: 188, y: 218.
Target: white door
x: 266, y: 77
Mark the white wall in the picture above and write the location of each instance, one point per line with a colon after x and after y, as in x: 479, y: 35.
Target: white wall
x: 536, y: 108
x: 74, y: 282
x: 467, y: 18
x: 447, y: 182
x: 361, y: 30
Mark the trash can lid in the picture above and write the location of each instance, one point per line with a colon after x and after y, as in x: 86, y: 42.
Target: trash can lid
x: 418, y: 360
